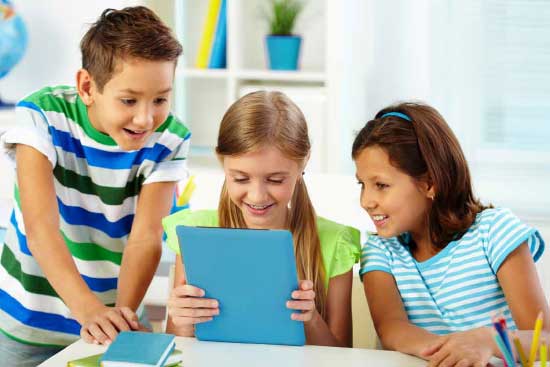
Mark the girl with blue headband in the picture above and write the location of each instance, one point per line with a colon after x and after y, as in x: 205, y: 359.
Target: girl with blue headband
x: 442, y: 263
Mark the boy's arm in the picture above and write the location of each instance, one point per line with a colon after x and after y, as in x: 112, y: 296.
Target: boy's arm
x: 390, y: 318
x: 143, y: 250
x: 41, y: 218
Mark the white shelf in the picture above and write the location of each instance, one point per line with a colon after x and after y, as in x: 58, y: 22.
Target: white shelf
x: 327, y: 87
x: 257, y: 75
x: 283, y: 76
x: 203, y: 73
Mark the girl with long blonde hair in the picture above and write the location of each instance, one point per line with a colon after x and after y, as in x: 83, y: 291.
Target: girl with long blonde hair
x: 263, y: 146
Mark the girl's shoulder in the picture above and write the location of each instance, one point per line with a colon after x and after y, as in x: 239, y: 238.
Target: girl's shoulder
x: 331, y: 232
x: 340, y: 246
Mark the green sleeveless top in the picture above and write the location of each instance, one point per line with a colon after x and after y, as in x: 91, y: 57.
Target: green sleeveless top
x: 340, y: 244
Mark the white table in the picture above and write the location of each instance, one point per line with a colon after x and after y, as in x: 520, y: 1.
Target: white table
x: 198, y: 353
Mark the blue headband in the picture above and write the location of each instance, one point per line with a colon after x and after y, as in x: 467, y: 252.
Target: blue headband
x: 397, y: 114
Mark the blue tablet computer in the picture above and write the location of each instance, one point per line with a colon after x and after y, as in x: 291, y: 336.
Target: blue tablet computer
x: 252, y: 274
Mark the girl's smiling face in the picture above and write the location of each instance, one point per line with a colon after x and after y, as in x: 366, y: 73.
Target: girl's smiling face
x: 261, y: 183
x: 396, y: 202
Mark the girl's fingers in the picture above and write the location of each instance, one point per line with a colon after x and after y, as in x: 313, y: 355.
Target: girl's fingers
x: 305, y: 285
x: 187, y: 291
x: 431, y: 349
x: 190, y: 302
x: 304, y: 316
x: 195, y: 312
x: 301, y: 305
x: 305, y: 295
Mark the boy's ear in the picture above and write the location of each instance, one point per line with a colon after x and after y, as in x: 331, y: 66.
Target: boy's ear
x: 84, y: 85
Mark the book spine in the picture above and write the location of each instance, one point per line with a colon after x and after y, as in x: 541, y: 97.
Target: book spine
x: 205, y: 46
x: 218, y: 57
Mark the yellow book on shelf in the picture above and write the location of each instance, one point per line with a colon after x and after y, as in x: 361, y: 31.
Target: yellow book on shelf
x: 205, y: 46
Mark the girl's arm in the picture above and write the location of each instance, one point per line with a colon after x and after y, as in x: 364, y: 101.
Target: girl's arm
x: 143, y: 250
x: 186, y: 307
x: 520, y: 282
x: 41, y: 218
x: 390, y: 318
x: 336, y: 330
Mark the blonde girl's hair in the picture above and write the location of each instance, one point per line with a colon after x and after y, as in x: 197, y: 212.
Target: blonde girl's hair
x: 271, y: 118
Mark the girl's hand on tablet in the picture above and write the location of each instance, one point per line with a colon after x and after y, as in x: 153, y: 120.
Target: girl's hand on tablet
x: 303, y: 300
x: 187, y: 306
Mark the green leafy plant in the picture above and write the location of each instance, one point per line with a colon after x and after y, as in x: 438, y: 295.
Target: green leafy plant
x: 282, y: 16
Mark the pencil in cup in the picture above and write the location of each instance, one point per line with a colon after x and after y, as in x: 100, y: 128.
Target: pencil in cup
x: 543, y: 352
x: 519, y: 349
x: 507, y: 354
x: 535, y: 340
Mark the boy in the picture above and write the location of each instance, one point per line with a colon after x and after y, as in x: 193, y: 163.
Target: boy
x: 96, y: 170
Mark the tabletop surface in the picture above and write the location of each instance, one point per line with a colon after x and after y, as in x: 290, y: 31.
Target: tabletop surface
x: 199, y: 353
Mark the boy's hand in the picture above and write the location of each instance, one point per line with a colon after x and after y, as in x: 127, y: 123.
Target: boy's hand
x: 103, y: 325
x: 463, y: 349
x: 187, y: 306
x: 305, y: 302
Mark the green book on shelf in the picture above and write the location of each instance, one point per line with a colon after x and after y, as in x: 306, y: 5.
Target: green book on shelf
x: 93, y: 361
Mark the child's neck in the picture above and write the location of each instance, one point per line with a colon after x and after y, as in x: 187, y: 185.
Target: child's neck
x: 423, y: 249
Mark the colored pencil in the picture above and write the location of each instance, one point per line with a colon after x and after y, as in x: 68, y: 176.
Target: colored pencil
x: 507, y: 357
x: 535, y: 341
x: 520, y: 351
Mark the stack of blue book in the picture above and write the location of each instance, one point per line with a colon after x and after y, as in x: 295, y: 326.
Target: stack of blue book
x: 134, y: 348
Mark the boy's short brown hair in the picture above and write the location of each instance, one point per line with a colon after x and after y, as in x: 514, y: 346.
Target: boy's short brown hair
x: 133, y: 32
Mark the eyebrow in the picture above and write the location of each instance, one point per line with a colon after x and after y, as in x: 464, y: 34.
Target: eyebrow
x: 138, y: 93
x: 269, y: 174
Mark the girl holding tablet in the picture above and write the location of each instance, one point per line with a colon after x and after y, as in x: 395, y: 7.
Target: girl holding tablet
x: 263, y: 146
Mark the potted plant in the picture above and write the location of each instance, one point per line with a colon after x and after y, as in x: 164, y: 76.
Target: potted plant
x: 283, y: 47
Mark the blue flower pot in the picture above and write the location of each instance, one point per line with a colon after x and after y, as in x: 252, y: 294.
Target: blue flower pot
x: 283, y: 52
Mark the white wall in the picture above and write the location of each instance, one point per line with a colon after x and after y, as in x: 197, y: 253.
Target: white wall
x: 53, y: 55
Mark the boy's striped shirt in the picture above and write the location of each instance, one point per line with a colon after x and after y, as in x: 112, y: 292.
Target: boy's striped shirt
x: 457, y: 289
x: 97, y: 185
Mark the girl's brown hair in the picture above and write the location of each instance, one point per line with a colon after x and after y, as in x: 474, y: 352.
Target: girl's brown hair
x: 132, y: 32
x: 270, y: 118
x: 426, y: 149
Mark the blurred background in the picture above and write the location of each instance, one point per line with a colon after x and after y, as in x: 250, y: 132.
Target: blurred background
x: 485, y: 65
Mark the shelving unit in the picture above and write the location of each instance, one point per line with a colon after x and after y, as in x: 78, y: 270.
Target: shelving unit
x: 321, y: 88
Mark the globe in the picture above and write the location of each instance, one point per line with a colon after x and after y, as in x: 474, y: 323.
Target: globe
x: 13, y: 38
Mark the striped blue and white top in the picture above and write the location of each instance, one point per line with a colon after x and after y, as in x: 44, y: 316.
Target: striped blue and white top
x: 97, y: 185
x: 457, y: 289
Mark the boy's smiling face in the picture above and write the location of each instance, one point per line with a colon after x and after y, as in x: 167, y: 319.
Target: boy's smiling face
x: 133, y: 103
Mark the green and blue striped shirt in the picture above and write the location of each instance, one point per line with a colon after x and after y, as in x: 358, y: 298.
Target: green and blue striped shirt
x: 97, y: 185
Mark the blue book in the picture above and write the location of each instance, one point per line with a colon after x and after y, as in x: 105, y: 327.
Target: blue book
x: 135, y: 348
x: 218, y: 56
x: 252, y: 273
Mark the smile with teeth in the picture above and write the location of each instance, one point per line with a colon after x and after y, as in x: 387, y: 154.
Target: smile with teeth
x: 379, y: 217
x: 258, y: 207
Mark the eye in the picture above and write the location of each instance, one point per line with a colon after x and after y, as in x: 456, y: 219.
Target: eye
x: 128, y: 101
x: 160, y: 101
x: 381, y: 186
x: 240, y: 179
x: 275, y: 181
